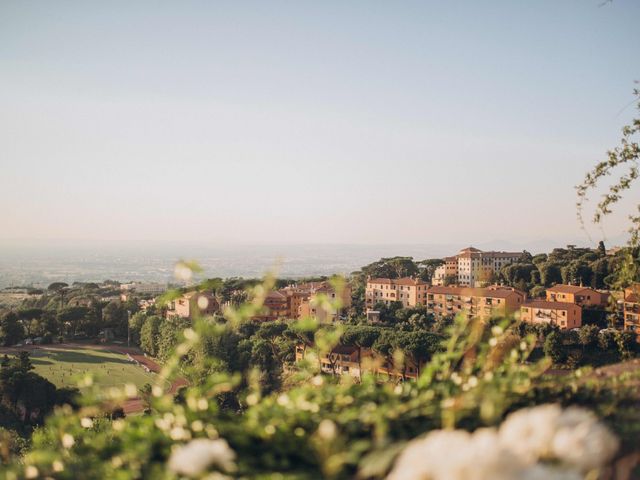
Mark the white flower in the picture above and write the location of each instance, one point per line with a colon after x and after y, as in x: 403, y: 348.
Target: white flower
x: 573, y: 437
x: 456, y: 455
x: 203, y: 302
x: 537, y: 443
x: 529, y: 432
x: 327, y: 430
x: 86, y: 422
x: 68, y: 441
x: 582, y: 442
x: 196, y: 456
x: 31, y: 472
x: 182, y: 271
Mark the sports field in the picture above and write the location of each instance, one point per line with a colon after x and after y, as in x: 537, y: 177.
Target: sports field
x: 65, y: 366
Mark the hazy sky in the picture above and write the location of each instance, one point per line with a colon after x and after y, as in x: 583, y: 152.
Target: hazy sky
x: 305, y: 122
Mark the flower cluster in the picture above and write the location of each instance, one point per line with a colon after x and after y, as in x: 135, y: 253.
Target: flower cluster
x: 533, y: 443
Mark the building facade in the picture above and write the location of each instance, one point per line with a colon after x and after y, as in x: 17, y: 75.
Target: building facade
x: 583, y: 296
x: 563, y: 314
x: 193, y: 304
x: 305, y: 299
x: 482, y: 303
x: 409, y: 291
x: 473, y: 267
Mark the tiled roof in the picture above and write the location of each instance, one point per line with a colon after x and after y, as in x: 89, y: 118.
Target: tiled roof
x: 550, y: 305
x: 632, y: 298
x: 567, y: 288
x: 495, y: 292
x: 398, y: 281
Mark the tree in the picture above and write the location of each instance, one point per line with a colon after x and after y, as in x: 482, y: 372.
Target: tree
x: 57, y: 286
x: 588, y: 337
x: 550, y: 274
x: 602, y: 250
x: 624, y: 156
x: 11, y: 331
x: 360, y: 336
x: 135, y: 326
x: 149, y: 335
x: 554, y: 348
x: 393, y: 267
x: 114, y: 315
x: 428, y: 268
x: 626, y: 342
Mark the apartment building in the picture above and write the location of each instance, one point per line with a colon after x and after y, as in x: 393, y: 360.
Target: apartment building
x: 473, y: 267
x: 447, y: 272
x: 354, y: 361
x: 631, y: 309
x: 482, y: 303
x: 583, y: 296
x: 193, y: 304
x: 409, y: 291
x: 303, y: 300
x: 563, y: 314
x: 275, y: 307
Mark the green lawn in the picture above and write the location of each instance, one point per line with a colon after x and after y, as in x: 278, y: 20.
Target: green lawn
x: 64, y: 366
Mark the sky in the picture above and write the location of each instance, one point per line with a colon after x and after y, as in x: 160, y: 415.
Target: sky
x: 309, y: 122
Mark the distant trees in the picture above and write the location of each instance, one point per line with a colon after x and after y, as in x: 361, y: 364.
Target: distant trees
x: 25, y: 396
x: 57, y: 286
x: 11, y: 330
x: 150, y: 335
x: 392, y: 267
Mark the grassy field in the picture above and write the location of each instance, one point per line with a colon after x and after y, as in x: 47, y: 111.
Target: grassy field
x: 64, y: 366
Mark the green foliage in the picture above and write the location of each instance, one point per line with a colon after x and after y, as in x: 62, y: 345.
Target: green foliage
x: 11, y: 331
x: 150, y: 335
x: 554, y: 348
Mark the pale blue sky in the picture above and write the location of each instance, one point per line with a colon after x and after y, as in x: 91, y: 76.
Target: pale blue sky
x: 308, y: 122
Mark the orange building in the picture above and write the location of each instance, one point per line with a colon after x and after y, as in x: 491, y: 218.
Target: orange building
x: 354, y: 361
x: 410, y: 291
x: 632, y: 309
x: 302, y: 300
x: 483, y: 303
x: 563, y: 314
x: 275, y: 307
x: 583, y: 296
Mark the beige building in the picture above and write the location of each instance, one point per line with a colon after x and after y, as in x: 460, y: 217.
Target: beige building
x: 275, y: 307
x: 447, y: 272
x: 631, y: 309
x: 563, y: 314
x: 303, y: 300
x: 193, y: 304
x: 354, y: 361
x: 409, y: 291
x: 483, y: 303
x: 473, y: 267
x: 583, y: 296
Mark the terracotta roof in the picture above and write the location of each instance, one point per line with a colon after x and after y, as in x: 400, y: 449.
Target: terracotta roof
x: 632, y: 298
x: 398, y: 281
x: 490, y: 292
x: 567, y: 288
x: 550, y: 305
x: 276, y: 296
